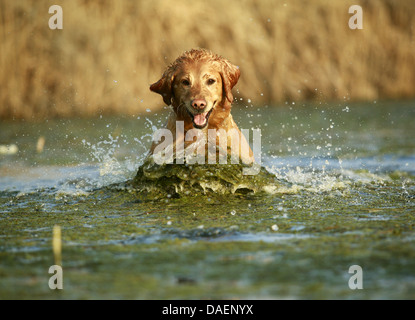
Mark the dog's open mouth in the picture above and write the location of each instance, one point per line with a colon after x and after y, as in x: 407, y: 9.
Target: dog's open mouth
x: 200, y: 120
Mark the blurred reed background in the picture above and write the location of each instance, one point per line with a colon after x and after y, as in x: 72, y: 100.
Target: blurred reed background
x: 108, y: 52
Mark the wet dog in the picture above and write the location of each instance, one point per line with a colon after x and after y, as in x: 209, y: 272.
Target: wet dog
x: 198, y: 86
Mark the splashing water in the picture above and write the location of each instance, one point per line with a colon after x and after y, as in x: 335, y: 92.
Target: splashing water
x: 310, y: 157
x: 336, y: 188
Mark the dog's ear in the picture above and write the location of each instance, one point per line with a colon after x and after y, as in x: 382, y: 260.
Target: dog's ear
x: 230, y: 76
x: 164, y: 86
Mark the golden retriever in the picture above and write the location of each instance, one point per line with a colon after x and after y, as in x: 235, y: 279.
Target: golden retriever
x: 197, y: 85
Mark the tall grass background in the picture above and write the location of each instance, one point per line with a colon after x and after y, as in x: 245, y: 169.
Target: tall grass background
x: 109, y: 51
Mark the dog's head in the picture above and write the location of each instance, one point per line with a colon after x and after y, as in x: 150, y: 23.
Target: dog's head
x: 198, y: 83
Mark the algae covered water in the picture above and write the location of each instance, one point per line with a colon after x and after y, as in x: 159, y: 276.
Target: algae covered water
x: 343, y: 196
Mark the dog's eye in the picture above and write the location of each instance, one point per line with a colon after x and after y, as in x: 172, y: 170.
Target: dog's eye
x: 211, y: 81
x: 185, y: 82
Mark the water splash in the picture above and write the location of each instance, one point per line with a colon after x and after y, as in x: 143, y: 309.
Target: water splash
x: 111, y: 168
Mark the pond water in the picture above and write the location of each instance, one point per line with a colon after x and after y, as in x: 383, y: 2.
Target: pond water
x: 349, y: 199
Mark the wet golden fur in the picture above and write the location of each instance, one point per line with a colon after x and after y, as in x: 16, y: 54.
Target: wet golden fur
x: 200, y: 75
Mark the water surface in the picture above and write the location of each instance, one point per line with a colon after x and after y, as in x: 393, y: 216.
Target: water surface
x: 350, y: 168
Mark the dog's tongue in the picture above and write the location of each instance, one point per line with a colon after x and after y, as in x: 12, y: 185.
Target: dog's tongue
x: 200, y: 119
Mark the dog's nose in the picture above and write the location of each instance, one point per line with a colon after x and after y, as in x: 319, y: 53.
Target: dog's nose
x: 199, y: 104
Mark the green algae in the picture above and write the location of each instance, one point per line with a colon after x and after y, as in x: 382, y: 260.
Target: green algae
x: 190, y: 242
x: 117, y: 247
x: 175, y: 180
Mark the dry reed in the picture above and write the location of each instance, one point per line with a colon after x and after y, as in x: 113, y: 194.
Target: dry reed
x: 110, y: 51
